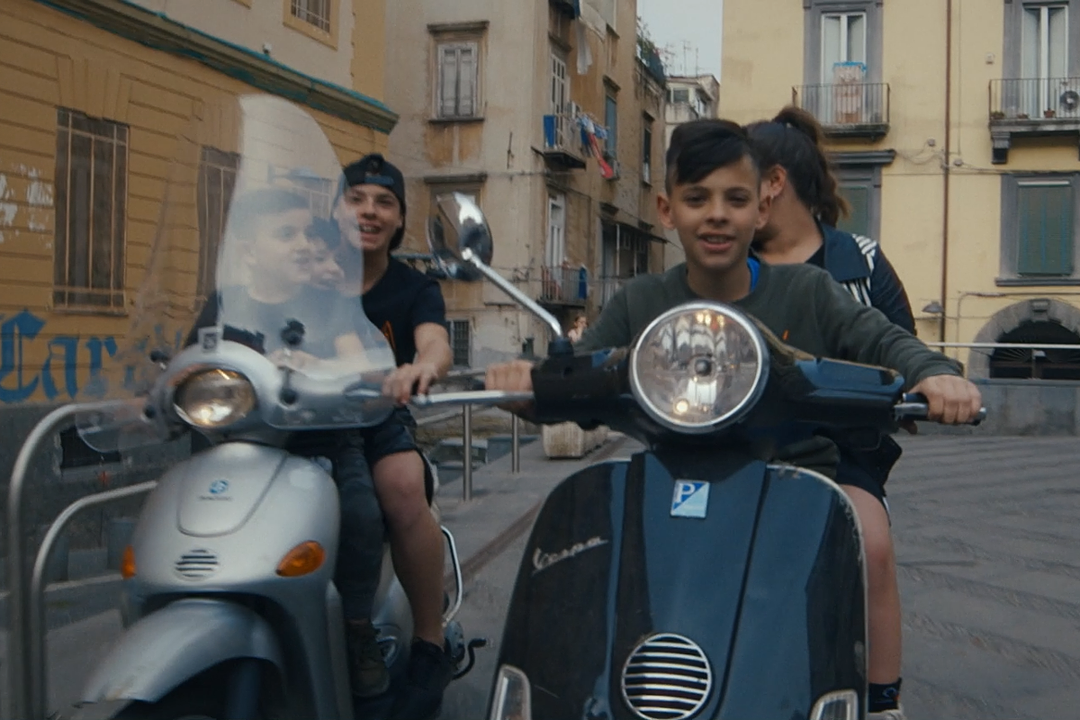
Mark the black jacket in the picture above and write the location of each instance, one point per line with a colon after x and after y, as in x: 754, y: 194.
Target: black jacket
x: 857, y: 263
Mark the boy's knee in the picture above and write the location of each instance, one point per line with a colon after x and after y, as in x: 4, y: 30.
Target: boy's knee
x: 878, y: 549
x: 399, y: 481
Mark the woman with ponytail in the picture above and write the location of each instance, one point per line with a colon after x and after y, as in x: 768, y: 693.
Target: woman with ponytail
x: 806, y: 206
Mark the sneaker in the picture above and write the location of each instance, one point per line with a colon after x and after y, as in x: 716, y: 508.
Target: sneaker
x: 428, y: 675
x: 368, y: 676
x: 897, y: 714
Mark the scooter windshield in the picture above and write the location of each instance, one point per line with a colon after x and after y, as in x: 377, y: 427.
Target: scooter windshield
x: 254, y: 249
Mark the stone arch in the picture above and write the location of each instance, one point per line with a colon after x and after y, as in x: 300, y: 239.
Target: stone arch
x: 1011, y: 317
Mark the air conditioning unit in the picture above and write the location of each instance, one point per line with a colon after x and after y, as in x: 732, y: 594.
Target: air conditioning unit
x: 1069, y: 99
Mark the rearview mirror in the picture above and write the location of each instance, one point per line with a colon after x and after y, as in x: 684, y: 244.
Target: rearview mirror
x: 458, y: 235
x: 460, y: 239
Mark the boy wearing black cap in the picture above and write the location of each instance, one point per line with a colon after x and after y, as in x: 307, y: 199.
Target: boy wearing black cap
x: 408, y: 307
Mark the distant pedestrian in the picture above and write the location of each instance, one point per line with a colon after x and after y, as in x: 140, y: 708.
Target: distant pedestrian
x: 580, y: 323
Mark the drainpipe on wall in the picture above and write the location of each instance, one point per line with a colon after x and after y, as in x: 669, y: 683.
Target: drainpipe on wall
x: 945, y: 176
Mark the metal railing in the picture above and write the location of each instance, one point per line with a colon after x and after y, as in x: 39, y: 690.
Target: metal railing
x: 561, y: 133
x: 606, y: 287
x: 466, y: 412
x: 840, y: 106
x: 1036, y: 100
x: 1038, y: 353
x: 26, y: 613
x: 565, y: 285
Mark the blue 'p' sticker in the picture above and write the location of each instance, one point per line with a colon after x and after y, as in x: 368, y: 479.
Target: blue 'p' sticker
x: 691, y: 499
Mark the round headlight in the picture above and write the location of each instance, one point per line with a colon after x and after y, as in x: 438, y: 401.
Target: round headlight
x: 698, y: 366
x: 215, y: 398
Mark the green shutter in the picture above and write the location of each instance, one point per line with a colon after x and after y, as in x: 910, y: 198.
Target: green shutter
x: 858, y: 223
x: 1045, y: 241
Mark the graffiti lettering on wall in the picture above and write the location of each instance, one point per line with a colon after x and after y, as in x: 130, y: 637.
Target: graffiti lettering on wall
x: 56, y: 377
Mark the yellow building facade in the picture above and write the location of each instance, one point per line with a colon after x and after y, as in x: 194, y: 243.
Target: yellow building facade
x: 92, y: 96
x: 954, y: 125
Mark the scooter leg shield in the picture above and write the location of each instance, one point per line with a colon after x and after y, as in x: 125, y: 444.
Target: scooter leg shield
x: 178, y: 642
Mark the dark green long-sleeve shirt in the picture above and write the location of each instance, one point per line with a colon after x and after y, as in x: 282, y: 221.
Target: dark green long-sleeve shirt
x: 801, y: 304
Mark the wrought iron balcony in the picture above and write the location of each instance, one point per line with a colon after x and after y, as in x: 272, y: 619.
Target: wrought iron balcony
x: 1033, y: 107
x: 564, y: 286
x: 562, y: 141
x: 847, y: 109
x: 605, y: 288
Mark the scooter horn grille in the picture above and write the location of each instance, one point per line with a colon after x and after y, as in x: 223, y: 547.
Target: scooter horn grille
x: 197, y: 564
x: 667, y: 677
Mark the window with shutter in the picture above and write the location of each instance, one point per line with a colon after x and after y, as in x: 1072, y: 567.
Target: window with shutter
x: 1045, y: 239
x: 458, y: 85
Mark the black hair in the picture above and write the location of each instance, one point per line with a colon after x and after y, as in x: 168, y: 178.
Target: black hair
x: 700, y: 147
x: 327, y: 231
x: 248, y: 207
x: 793, y: 140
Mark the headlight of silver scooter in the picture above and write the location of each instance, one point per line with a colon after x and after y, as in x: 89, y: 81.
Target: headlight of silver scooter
x: 214, y: 399
x: 698, y: 366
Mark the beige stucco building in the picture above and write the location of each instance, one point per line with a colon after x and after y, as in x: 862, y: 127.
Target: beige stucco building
x: 492, y: 98
x: 955, y: 126
x: 92, y: 96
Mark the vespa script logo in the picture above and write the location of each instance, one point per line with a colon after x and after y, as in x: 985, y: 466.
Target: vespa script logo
x: 542, y: 560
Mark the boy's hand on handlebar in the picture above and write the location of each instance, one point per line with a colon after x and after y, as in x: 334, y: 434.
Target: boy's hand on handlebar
x: 951, y: 400
x: 514, y: 376
x: 400, y: 383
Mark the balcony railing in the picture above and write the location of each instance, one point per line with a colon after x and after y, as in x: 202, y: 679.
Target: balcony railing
x: 562, y: 141
x: 564, y: 285
x: 605, y: 288
x: 1036, y: 100
x: 847, y: 109
x: 1033, y: 107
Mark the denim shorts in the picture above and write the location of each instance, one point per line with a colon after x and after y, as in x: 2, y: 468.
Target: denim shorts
x: 396, y: 434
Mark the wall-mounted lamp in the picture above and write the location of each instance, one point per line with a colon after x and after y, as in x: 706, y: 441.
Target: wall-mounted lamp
x: 934, y: 308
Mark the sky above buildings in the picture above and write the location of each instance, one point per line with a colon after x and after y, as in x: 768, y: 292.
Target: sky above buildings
x: 688, y: 30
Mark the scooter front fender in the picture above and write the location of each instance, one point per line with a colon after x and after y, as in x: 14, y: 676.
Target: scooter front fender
x: 178, y: 642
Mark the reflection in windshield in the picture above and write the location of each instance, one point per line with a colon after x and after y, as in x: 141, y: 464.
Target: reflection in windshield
x: 251, y: 261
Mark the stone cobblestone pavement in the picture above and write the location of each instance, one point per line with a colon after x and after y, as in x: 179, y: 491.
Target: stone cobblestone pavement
x: 987, y: 533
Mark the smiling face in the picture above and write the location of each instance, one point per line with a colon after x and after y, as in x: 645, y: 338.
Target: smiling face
x: 326, y: 273
x: 278, y: 251
x: 369, y: 216
x: 716, y: 216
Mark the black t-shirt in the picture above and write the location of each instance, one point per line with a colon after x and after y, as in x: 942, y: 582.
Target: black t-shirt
x: 401, y: 301
x: 323, y: 314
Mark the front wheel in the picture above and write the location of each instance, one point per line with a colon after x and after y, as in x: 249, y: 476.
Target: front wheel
x: 182, y: 704
x: 204, y: 698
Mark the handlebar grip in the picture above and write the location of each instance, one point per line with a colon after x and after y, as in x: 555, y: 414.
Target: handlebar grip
x: 914, y: 406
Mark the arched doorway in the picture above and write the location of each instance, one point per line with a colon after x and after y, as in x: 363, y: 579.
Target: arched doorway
x: 1027, y: 363
x: 1037, y: 321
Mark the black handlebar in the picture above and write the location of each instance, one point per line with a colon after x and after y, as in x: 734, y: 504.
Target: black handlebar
x: 913, y: 406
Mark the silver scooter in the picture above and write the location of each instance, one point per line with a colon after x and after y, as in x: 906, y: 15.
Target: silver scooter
x: 229, y: 606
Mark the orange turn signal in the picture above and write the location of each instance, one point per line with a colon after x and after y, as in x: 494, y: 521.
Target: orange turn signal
x: 127, y: 563
x: 303, y: 559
